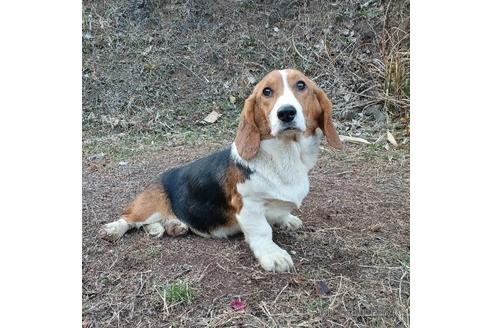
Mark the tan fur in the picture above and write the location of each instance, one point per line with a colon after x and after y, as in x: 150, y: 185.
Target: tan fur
x: 248, y: 134
x: 150, y: 201
x: 253, y: 124
x: 325, y: 122
x: 233, y: 177
x: 317, y: 108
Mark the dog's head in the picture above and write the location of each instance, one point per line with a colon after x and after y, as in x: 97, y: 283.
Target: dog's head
x: 284, y: 104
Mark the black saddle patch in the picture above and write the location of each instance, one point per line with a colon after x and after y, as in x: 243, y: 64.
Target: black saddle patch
x: 196, y: 190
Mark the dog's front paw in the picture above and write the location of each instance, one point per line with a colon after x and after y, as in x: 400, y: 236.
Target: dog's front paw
x: 276, y: 259
x: 291, y: 222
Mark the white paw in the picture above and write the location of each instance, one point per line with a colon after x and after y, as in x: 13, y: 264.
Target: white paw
x: 155, y: 229
x: 291, y: 222
x: 275, y: 259
x: 114, y: 230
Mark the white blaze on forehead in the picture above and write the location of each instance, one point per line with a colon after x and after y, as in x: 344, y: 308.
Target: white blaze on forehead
x: 288, y: 96
x: 285, y: 99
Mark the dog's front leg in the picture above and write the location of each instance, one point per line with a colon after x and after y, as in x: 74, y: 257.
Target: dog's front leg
x: 258, y: 235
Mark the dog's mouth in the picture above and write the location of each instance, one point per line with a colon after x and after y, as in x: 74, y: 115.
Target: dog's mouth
x: 290, y: 129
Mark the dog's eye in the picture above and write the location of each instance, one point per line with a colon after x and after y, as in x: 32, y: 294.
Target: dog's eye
x: 267, y: 92
x: 300, y: 85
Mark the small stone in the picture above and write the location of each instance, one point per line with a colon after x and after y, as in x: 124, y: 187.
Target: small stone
x: 97, y: 157
x: 251, y: 79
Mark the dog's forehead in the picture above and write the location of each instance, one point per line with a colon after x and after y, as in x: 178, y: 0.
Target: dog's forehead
x: 272, y: 78
x: 293, y: 76
x: 277, y: 77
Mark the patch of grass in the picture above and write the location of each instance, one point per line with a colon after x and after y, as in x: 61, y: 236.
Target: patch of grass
x: 317, y: 305
x: 154, y: 252
x: 177, y: 292
x: 110, y: 279
x: 374, y: 151
x: 395, y: 256
x: 377, y: 152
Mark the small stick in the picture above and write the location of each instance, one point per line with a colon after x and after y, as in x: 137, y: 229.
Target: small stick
x: 276, y: 298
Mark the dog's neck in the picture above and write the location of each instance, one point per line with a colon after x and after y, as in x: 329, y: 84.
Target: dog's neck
x: 285, y: 152
x: 280, y: 169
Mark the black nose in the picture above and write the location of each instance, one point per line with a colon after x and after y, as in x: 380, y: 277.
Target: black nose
x: 286, y: 113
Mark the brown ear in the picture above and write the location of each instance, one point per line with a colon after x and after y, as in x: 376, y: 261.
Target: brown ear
x: 248, y: 136
x: 325, y: 122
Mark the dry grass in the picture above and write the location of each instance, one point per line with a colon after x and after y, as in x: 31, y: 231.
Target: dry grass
x: 394, y: 69
x: 153, y: 70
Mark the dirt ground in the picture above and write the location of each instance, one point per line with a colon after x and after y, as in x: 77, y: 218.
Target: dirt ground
x: 355, y: 240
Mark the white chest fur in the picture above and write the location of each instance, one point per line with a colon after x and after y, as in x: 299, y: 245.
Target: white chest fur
x: 280, y: 170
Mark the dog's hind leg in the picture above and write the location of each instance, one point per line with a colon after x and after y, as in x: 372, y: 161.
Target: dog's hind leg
x: 149, y: 210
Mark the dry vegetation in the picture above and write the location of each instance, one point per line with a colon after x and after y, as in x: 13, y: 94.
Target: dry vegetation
x: 152, y: 70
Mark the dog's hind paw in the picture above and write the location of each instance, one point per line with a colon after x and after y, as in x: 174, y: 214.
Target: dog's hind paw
x: 291, y: 222
x: 114, y: 230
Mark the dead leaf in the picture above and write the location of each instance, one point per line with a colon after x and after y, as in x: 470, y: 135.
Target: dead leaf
x: 376, y: 227
x: 391, y: 139
x: 322, y: 288
x: 237, y: 305
x: 147, y: 51
x: 212, y: 117
x: 298, y: 280
x: 354, y: 140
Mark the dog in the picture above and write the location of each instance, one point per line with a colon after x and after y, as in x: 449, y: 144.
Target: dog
x: 250, y: 186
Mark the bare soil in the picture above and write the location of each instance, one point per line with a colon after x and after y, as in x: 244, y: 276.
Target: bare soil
x: 355, y: 240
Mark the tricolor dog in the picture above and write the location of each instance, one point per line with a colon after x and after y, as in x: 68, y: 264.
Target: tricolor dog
x: 250, y: 186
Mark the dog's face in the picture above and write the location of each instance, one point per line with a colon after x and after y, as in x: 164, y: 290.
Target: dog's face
x: 284, y: 104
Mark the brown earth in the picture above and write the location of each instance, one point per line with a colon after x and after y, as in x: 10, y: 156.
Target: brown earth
x: 355, y: 240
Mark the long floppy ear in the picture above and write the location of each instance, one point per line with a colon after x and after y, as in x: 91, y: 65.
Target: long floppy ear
x: 325, y: 122
x: 248, y: 136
